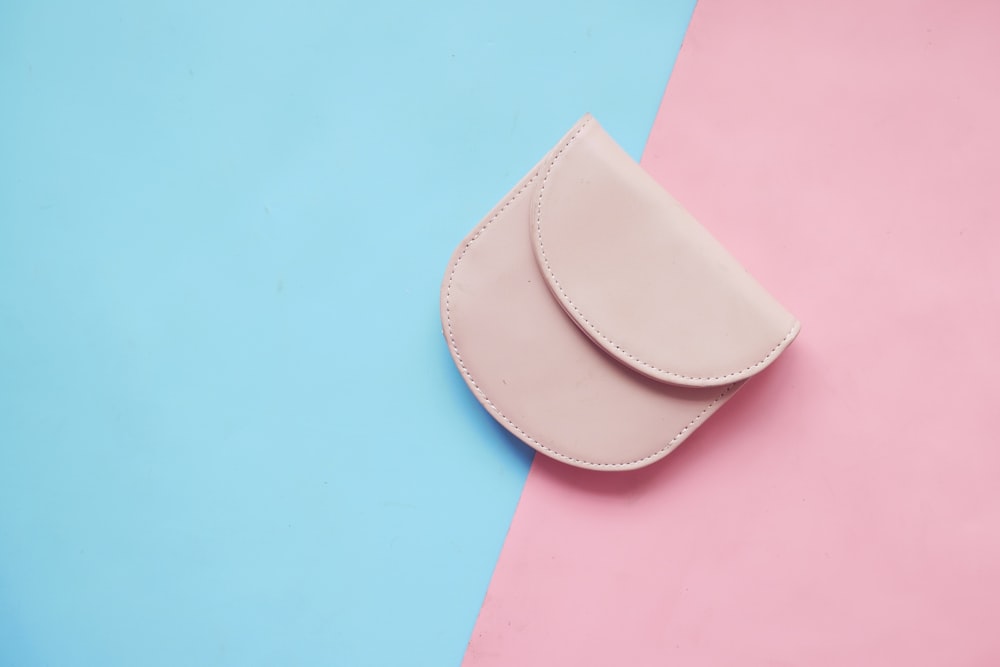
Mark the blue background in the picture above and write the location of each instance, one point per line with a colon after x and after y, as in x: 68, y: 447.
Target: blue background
x: 230, y: 429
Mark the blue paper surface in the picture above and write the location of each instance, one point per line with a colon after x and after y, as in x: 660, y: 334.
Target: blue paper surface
x: 230, y: 429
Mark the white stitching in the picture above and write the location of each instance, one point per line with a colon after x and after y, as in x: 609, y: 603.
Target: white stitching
x: 524, y: 435
x: 541, y: 246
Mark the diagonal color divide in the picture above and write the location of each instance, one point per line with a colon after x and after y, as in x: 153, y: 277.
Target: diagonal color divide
x: 843, y: 509
x: 230, y: 431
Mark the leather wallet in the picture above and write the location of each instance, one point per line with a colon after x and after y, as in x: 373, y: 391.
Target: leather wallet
x: 598, y: 321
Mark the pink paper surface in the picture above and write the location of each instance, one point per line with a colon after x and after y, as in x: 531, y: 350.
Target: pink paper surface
x: 844, y: 508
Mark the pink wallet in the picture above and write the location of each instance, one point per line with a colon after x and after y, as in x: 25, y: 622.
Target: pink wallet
x: 595, y: 319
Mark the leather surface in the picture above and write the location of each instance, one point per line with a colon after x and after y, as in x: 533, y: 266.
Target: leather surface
x: 642, y: 277
x: 595, y: 319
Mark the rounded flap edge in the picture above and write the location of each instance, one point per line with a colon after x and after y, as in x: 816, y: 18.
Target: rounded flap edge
x: 641, y: 277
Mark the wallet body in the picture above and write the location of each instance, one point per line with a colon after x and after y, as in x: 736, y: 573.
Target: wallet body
x: 595, y: 318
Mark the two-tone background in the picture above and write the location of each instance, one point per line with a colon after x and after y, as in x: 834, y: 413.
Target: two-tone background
x: 230, y: 429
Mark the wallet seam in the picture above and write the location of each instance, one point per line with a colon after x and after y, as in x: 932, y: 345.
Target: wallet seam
x: 735, y: 375
x: 678, y: 437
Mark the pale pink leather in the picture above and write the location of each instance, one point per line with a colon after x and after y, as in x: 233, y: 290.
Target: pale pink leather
x: 595, y: 319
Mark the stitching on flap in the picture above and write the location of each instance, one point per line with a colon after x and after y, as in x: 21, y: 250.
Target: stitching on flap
x: 680, y: 435
x: 600, y: 334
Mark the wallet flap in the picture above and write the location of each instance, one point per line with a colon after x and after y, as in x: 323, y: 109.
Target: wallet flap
x: 641, y: 277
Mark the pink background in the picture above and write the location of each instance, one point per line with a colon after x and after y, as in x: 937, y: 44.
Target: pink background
x: 844, y: 508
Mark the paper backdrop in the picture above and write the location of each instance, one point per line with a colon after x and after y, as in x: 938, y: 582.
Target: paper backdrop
x: 843, y: 508
x: 230, y: 429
